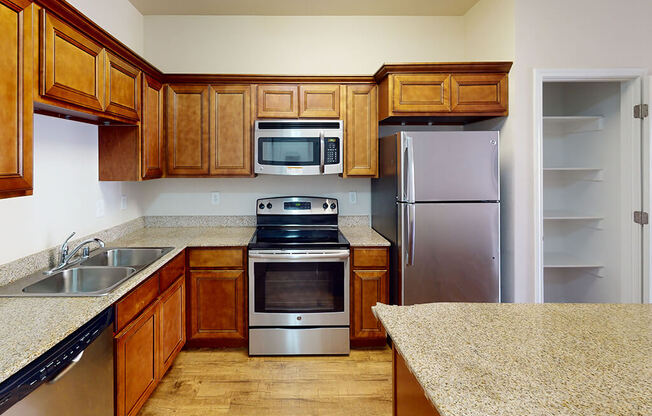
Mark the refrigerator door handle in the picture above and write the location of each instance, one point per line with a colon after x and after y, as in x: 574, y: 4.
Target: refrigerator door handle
x: 410, y: 168
x: 412, y: 231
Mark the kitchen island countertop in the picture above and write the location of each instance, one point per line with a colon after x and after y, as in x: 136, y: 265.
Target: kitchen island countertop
x: 527, y: 359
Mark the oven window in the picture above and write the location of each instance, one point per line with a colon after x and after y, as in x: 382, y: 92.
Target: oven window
x: 288, y: 151
x: 299, y: 287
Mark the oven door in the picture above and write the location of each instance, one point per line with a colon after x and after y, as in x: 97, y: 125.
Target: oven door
x: 298, y: 288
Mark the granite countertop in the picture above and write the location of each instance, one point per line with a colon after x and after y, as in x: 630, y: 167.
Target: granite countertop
x: 527, y: 359
x: 31, y: 326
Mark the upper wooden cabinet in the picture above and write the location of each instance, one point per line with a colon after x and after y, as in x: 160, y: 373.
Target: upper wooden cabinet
x: 152, y: 151
x: 72, y: 65
x: 443, y: 90
x: 230, y: 131
x: 277, y: 101
x: 319, y: 101
x: 16, y: 49
x: 122, y: 88
x: 187, y: 130
x: 361, y: 142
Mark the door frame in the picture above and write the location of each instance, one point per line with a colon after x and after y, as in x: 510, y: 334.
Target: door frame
x: 585, y: 75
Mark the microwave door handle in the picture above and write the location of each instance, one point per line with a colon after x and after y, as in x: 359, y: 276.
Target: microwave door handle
x: 321, y: 152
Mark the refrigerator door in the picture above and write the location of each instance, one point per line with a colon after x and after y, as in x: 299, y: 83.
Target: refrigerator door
x: 448, y: 166
x: 449, y: 252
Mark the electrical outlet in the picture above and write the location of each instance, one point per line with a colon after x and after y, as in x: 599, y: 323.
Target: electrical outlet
x: 353, y: 197
x: 99, y: 208
x: 215, y: 198
x: 123, y: 202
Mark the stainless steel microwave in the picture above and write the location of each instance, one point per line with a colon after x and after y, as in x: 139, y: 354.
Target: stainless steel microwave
x: 298, y: 147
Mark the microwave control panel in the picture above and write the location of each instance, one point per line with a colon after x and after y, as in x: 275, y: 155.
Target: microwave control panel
x: 332, y: 151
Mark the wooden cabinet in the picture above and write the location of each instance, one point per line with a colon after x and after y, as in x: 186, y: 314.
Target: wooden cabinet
x: 277, y: 101
x: 172, y: 324
x: 150, y: 332
x: 187, y: 130
x: 72, y: 65
x: 461, y: 92
x: 136, y: 362
x: 217, y: 297
x: 369, y: 285
x: 151, y: 129
x: 319, y: 101
x: 16, y: 72
x: 230, y: 131
x: 409, y: 397
x: 479, y: 93
x: 361, y: 142
x: 122, y: 88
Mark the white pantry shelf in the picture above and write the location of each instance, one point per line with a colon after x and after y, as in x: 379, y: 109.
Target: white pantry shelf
x: 562, y: 214
x: 558, y: 260
x: 571, y: 124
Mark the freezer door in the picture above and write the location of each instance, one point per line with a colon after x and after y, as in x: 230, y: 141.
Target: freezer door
x: 448, y: 166
x: 450, y: 252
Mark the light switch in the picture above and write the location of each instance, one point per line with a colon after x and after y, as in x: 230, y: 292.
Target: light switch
x: 123, y: 202
x: 215, y: 198
x: 353, y: 197
x: 99, y: 208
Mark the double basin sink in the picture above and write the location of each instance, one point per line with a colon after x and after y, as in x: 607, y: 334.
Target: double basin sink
x: 97, y: 275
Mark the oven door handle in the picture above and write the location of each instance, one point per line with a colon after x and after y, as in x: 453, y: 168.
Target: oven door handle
x: 300, y: 256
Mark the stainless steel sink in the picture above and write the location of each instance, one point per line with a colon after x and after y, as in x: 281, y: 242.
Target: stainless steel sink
x: 96, y: 275
x: 125, y: 257
x: 82, y: 281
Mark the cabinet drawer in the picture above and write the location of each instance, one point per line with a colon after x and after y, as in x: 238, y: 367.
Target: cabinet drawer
x: 171, y: 271
x: 319, y: 101
x: 135, y: 301
x: 479, y: 93
x: 122, y: 88
x: 421, y: 93
x: 277, y: 101
x: 226, y: 258
x: 72, y: 65
x: 370, y: 258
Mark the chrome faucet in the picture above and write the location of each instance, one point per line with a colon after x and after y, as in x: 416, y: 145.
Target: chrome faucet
x: 65, y: 256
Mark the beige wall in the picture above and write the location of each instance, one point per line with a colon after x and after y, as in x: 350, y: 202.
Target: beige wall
x: 489, y: 31
x: 325, y: 45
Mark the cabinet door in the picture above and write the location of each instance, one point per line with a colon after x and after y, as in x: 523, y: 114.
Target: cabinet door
x: 172, y: 324
x: 479, y: 93
x: 72, y: 65
x: 136, y: 362
x: 230, y: 130
x: 187, y: 132
x: 122, y: 87
x: 217, y: 308
x: 369, y: 288
x: 421, y: 93
x: 152, y: 129
x: 361, y: 156
x: 319, y: 101
x: 16, y: 49
x: 277, y: 101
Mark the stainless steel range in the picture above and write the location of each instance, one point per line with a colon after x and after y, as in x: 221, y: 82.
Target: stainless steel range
x: 298, y: 279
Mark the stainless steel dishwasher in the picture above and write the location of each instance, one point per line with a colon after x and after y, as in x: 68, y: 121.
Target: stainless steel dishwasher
x: 73, y: 378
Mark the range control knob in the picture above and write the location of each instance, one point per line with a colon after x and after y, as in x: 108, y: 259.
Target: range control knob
x: 333, y: 205
x: 269, y: 205
x: 261, y: 206
x: 325, y: 206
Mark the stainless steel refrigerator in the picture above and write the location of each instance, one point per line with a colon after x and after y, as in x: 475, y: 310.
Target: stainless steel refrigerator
x: 437, y: 199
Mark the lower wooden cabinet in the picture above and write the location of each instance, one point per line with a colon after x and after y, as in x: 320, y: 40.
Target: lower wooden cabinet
x: 172, y: 324
x: 369, y: 285
x: 136, y: 362
x: 409, y: 397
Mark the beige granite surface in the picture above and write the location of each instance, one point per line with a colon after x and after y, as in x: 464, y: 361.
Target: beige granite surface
x: 527, y: 359
x: 360, y: 236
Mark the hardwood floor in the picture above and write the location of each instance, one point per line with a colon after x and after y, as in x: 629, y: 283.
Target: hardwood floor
x: 229, y: 382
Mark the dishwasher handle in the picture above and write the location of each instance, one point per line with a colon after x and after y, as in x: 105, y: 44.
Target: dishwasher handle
x: 69, y: 367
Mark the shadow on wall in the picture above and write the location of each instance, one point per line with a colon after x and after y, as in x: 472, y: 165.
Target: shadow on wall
x: 187, y: 196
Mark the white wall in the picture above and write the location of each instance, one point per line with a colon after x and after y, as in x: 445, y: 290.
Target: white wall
x: 559, y: 34
x: 321, y: 45
x: 66, y: 191
x: 118, y: 17
x: 238, y: 195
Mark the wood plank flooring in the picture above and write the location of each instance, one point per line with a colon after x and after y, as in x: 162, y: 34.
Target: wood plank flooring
x: 229, y: 382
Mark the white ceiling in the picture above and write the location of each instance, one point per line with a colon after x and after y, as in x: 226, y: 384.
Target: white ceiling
x: 306, y: 7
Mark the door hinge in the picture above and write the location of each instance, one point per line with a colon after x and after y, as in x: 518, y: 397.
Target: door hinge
x: 640, y: 217
x: 641, y: 111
